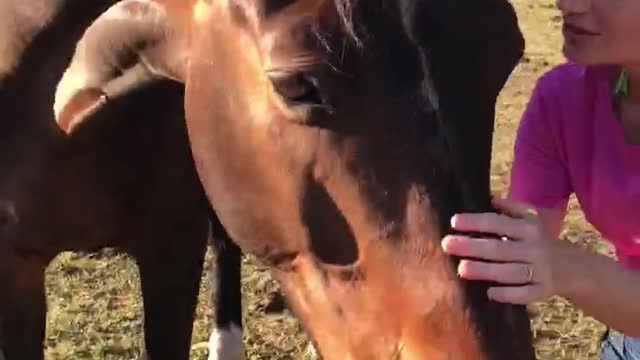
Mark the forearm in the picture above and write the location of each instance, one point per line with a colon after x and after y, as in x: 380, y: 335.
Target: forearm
x: 603, y: 289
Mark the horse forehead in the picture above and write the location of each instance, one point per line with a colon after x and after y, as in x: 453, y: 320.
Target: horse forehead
x: 203, y: 9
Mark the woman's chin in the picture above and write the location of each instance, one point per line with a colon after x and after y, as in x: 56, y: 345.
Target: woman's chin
x: 581, y: 56
x: 575, y: 56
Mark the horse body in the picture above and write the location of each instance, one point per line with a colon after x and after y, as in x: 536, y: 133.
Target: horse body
x: 136, y: 189
x: 330, y: 139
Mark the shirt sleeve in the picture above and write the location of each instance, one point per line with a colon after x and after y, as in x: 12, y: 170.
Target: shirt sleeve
x: 539, y: 175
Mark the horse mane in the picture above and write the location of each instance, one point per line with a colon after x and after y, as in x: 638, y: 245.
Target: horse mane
x: 344, y: 9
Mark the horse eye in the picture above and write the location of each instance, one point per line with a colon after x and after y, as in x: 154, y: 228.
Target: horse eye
x: 297, y: 89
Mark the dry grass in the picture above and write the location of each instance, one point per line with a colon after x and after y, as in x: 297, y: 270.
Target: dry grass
x: 95, y: 310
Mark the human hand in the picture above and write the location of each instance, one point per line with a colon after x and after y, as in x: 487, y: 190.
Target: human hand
x: 530, y: 262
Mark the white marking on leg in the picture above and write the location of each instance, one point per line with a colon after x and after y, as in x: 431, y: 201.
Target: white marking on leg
x: 226, y: 344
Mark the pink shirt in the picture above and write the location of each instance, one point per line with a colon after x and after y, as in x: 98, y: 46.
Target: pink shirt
x: 569, y: 141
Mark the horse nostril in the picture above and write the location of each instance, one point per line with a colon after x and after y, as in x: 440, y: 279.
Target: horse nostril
x: 8, y: 216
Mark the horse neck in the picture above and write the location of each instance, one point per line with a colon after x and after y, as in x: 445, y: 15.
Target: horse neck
x: 21, y: 21
x: 503, y: 330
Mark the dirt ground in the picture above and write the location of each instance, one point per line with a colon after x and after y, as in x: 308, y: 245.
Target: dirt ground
x: 95, y: 304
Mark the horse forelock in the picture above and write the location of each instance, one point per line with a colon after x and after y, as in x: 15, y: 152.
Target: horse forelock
x: 312, y: 9
x: 344, y: 10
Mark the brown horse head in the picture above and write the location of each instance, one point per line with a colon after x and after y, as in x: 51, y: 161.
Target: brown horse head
x: 328, y: 138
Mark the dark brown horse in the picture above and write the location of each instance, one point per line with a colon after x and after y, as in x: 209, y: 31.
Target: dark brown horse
x: 126, y: 180
x: 335, y: 139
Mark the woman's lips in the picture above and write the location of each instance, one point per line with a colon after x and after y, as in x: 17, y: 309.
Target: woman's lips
x: 575, y: 30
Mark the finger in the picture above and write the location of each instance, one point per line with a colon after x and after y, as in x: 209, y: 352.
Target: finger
x: 507, y: 273
x: 517, y: 294
x: 514, y: 208
x: 488, y: 249
x: 492, y: 223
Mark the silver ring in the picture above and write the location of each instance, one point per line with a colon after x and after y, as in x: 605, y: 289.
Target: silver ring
x: 529, y: 273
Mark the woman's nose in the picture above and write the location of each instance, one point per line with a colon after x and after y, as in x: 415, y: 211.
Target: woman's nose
x: 574, y: 6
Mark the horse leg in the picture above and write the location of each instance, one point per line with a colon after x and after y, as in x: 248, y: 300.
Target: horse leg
x: 25, y: 310
x: 170, y: 274
x: 225, y: 342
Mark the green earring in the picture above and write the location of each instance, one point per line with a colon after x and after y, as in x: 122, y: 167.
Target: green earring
x: 621, y: 85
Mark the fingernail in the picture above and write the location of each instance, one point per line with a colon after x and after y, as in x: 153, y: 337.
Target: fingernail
x: 444, y: 242
x: 491, y: 294
x: 460, y: 266
x: 454, y: 220
x: 451, y: 239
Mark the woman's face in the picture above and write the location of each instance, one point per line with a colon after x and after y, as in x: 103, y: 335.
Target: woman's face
x: 601, y: 31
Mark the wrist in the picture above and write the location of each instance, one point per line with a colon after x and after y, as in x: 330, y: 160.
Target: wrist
x: 571, y: 275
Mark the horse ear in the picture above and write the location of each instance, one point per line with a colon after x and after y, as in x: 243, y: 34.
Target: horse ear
x: 129, y: 35
x: 83, y: 102
x: 79, y: 107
